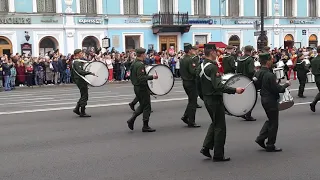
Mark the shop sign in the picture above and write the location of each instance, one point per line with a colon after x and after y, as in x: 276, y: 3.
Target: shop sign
x: 14, y: 20
x: 301, y: 22
x: 90, y: 21
x: 202, y: 21
x: 244, y: 22
x: 132, y: 21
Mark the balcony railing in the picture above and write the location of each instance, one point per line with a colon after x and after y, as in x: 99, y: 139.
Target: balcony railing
x: 170, y: 19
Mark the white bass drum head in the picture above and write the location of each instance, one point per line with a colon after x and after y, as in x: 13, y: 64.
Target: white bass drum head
x: 165, y: 82
x: 100, y: 70
x: 239, y: 104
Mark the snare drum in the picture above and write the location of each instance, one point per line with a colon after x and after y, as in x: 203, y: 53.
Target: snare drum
x: 239, y: 104
x: 286, y: 101
x: 311, y: 78
x: 278, y: 72
x: 101, y: 73
x: 165, y: 82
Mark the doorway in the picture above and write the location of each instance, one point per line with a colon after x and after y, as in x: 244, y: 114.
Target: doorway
x: 288, y: 41
x: 165, y: 42
x: 5, y: 46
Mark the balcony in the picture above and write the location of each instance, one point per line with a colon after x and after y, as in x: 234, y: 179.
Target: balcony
x: 170, y: 22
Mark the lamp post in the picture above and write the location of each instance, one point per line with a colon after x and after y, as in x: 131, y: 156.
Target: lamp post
x: 262, y: 39
x: 27, y: 36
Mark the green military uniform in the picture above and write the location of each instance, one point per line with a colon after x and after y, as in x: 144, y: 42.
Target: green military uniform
x: 76, y: 73
x: 246, y: 67
x: 196, y: 60
x: 315, y: 66
x: 228, y: 62
x: 212, y: 90
x: 139, y: 80
x: 270, y: 89
x: 302, y: 71
x: 188, y: 75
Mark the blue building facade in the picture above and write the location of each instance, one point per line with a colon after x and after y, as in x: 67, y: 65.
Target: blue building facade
x: 38, y: 26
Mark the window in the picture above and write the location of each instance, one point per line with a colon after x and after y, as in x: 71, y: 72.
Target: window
x: 132, y: 42
x: 46, y: 6
x: 233, y: 8
x: 88, y: 7
x: 288, y: 8
x: 200, y: 39
x: 312, y: 8
x: 166, y: 6
x: 4, y: 6
x: 199, y: 7
x: 265, y: 7
x: 130, y: 7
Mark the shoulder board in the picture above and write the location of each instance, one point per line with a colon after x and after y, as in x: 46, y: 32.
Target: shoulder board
x: 226, y: 56
x: 79, y: 60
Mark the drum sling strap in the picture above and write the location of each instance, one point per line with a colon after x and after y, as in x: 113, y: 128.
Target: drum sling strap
x: 202, y: 71
x: 79, y: 60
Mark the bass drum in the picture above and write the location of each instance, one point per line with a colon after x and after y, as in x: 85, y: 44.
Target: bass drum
x: 239, y: 104
x: 101, y: 73
x: 165, y: 82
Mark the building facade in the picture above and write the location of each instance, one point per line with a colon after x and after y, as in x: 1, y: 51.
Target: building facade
x: 38, y: 26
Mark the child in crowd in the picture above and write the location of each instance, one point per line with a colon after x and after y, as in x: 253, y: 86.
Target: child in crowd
x: 68, y: 74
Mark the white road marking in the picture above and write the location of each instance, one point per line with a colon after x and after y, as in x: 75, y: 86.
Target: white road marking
x: 104, y: 105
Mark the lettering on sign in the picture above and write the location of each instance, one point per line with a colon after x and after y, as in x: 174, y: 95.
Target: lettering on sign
x: 131, y: 21
x: 244, y: 22
x: 90, y: 21
x: 301, y: 22
x: 233, y: 81
x: 15, y: 20
x: 49, y: 21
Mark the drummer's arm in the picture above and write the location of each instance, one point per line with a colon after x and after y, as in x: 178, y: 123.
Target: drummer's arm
x: 78, y: 67
x: 275, y: 87
x: 217, y: 84
x: 142, y: 76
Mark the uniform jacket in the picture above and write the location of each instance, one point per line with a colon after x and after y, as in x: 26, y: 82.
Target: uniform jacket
x: 188, y: 66
x: 315, y: 65
x: 246, y: 66
x: 213, y: 87
x: 138, y: 74
x: 77, y: 68
x: 228, y: 63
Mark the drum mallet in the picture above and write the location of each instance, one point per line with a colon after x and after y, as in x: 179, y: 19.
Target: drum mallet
x: 254, y: 79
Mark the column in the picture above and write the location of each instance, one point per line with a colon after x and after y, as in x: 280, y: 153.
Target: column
x: 276, y: 37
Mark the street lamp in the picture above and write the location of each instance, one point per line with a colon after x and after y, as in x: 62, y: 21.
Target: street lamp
x: 106, y: 42
x: 262, y: 39
x: 27, y: 36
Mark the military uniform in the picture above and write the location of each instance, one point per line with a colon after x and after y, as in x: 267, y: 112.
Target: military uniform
x: 76, y: 73
x: 188, y: 76
x: 270, y: 89
x: 196, y: 60
x: 139, y: 80
x: 228, y: 62
x: 246, y: 67
x: 302, y: 71
x: 315, y: 66
x: 212, y: 90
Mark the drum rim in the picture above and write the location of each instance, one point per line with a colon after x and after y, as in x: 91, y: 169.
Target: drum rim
x: 153, y: 66
x: 105, y: 66
x: 255, y: 102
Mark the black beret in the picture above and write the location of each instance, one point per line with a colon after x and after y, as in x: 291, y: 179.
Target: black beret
x: 140, y: 50
x: 210, y: 47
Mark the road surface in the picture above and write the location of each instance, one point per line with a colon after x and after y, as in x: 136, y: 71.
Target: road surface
x: 41, y: 139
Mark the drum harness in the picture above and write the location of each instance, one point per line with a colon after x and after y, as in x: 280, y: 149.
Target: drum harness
x: 202, y: 71
x: 83, y: 61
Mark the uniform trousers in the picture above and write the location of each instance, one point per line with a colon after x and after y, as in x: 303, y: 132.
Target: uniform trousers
x: 191, y: 90
x: 143, y: 96
x: 302, y: 77
x: 317, y: 98
x: 216, y: 135
x: 270, y: 128
x: 84, y: 95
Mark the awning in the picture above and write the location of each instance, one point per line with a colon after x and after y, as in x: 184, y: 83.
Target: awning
x: 218, y: 44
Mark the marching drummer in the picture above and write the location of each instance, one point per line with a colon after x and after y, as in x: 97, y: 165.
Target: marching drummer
x: 139, y: 80
x: 76, y: 73
x: 188, y: 75
x: 270, y: 89
x: 302, y: 71
x: 246, y: 67
x: 315, y: 68
x: 228, y: 61
x: 211, y: 91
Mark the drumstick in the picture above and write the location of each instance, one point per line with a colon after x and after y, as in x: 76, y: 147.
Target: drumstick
x: 156, y: 72
x: 253, y: 80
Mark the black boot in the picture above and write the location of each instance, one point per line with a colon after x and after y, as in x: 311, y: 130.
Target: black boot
x: 130, y: 122
x: 76, y: 109
x: 185, y: 119
x: 146, y: 127
x: 83, y: 112
x: 131, y: 106
x: 206, y: 152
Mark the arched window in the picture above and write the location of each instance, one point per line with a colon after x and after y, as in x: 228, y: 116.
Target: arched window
x: 47, y: 44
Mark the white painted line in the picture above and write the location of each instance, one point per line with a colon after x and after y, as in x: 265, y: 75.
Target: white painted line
x: 89, y: 106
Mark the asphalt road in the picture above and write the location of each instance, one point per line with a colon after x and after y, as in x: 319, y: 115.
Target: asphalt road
x: 41, y: 139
